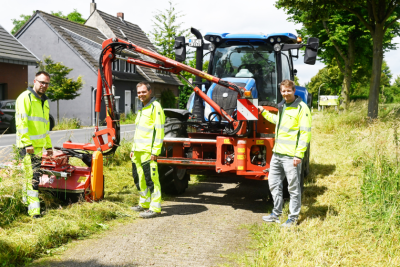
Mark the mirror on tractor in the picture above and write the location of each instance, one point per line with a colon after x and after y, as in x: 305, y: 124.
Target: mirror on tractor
x: 180, y: 48
x: 310, y: 56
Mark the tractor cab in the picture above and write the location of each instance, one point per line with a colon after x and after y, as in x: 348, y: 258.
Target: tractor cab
x: 256, y: 62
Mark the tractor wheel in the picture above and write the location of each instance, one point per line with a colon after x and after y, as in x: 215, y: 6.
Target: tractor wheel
x: 178, y: 181
x: 172, y: 179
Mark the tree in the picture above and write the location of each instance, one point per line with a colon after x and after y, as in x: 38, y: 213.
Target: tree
x: 166, y: 28
x: 74, y: 16
x: 61, y: 87
x: 379, y: 18
x: 296, y: 81
x: 18, y: 23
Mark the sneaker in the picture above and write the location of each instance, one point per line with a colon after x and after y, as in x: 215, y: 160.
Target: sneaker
x: 138, y: 208
x: 289, y: 223
x: 271, y: 218
x: 36, y: 216
x: 149, y: 214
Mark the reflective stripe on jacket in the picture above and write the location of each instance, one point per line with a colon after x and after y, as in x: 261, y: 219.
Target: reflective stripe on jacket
x: 149, y: 131
x: 293, y: 130
x: 32, y: 120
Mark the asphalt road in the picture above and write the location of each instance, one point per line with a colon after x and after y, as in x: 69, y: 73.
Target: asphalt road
x: 59, y: 137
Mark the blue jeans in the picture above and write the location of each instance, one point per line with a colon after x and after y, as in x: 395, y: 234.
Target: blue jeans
x: 282, y: 166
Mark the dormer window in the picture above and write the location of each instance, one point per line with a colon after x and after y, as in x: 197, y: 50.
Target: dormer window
x: 130, y: 68
x: 115, y: 65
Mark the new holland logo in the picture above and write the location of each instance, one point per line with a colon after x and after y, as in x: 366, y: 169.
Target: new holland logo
x: 247, y: 109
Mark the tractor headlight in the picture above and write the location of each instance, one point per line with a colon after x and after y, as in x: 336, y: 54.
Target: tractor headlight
x: 277, y: 47
x: 278, y: 39
x: 271, y: 40
x: 217, y: 39
x: 211, y: 46
x: 211, y: 38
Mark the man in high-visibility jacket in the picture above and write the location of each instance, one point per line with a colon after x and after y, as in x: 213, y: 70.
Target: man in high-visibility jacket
x: 292, y: 138
x: 147, y: 144
x: 32, y: 124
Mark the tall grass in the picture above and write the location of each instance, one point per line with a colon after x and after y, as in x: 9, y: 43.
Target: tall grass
x: 67, y: 123
x: 23, y: 239
x: 127, y: 118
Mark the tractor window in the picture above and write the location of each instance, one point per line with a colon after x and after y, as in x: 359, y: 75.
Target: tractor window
x: 285, y: 65
x: 248, y: 61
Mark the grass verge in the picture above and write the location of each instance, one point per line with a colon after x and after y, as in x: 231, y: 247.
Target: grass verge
x: 350, y: 210
x: 23, y: 239
x: 127, y: 118
x: 67, y: 124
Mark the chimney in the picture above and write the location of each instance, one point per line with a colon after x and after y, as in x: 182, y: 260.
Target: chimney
x: 120, y: 15
x: 92, y: 7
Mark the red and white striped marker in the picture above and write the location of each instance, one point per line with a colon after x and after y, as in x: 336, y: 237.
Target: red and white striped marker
x: 247, y: 109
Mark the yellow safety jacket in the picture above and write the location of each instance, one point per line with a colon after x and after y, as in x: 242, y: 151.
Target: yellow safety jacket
x: 149, y: 131
x: 293, y: 130
x: 32, y: 120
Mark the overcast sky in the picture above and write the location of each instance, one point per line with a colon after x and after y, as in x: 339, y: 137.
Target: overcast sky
x: 253, y: 16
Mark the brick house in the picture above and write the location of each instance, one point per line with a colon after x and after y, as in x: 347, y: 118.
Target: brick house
x: 14, y: 61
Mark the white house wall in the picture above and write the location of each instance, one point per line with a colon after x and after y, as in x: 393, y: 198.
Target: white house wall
x: 43, y: 41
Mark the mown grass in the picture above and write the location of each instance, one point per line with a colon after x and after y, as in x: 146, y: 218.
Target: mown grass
x: 23, y: 239
x: 350, y: 210
x: 67, y: 124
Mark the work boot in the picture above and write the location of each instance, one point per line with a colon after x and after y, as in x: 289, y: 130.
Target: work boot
x: 271, y: 218
x: 138, y: 208
x: 289, y: 223
x: 36, y: 216
x: 149, y: 214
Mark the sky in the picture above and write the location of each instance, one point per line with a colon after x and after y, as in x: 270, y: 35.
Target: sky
x: 230, y: 16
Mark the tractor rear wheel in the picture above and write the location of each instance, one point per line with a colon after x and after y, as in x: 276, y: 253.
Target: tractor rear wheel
x: 173, y: 180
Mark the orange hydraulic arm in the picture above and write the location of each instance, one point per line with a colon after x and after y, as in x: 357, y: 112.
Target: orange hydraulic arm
x: 104, y: 88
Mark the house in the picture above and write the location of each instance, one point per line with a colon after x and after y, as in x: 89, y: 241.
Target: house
x: 79, y: 46
x: 14, y: 61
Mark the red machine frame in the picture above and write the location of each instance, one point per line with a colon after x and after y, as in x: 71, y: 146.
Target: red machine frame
x: 200, y: 142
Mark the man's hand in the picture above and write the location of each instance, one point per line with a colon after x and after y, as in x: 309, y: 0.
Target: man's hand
x: 49, y: 152
x: 296, y: 161
x: 260, y: 109
x: 29, y: 150
x: 153, y: 157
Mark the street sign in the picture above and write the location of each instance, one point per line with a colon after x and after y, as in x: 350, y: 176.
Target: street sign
x: 247, y: 109
x: 328, y: 100
x: 195, y: 43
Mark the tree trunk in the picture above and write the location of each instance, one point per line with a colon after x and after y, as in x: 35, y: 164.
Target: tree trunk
x: 348, y: 72
x: 377, y: 57
x: 58, y: 111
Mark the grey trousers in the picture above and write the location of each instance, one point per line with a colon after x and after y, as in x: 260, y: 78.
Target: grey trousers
x: 282, y: 166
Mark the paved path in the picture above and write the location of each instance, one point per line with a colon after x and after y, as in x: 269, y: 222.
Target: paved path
x: 199, y: 228
x: 59, y: 137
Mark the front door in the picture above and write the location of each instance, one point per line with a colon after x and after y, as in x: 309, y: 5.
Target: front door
x: 128, y: 101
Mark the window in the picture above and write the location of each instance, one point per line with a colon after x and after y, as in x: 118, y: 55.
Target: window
x: 115, y: 65
x: 285, y: 66
x: 257, y: 61
x: 130, y: 68
x: 10, y: 105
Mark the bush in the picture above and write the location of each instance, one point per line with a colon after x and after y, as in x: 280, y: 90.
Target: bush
x: 168, y: 99
x: 127, y: 118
